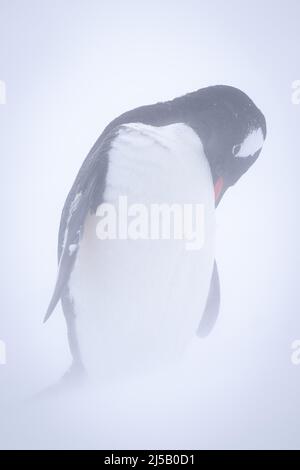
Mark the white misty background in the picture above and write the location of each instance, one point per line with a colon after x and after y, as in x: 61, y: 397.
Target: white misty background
x: 72, y: 66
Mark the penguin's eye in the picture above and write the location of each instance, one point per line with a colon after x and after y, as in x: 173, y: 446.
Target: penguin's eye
x: 250, y: 145
x: 236, y: 149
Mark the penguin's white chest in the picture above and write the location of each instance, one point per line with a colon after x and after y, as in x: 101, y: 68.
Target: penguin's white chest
x: 139, y: 299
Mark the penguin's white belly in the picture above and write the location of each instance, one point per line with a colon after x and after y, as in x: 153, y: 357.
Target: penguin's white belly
x: 139, y: 302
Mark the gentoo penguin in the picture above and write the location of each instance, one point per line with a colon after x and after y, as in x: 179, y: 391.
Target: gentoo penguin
x: 131, y: 304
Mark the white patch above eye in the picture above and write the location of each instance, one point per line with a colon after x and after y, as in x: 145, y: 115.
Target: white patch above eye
x: 253, y: 142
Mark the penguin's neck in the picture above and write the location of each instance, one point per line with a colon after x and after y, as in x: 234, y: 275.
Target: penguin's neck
x: 185, y: 109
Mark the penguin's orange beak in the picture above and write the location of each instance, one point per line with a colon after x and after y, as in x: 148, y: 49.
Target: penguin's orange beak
x: 219, y: 189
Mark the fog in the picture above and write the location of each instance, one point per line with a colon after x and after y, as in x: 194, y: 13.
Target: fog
x: 69, y: 68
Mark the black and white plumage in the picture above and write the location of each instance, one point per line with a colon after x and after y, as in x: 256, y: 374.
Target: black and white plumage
x: 149, y: 299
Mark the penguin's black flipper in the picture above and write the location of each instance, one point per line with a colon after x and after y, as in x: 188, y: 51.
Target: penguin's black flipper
x: 212, y: 307
x: 85, y: 196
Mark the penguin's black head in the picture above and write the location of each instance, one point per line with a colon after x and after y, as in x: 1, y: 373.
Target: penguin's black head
x: 232, y: 130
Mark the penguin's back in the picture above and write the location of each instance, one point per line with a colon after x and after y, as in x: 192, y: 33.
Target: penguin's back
x: 138, y: 302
